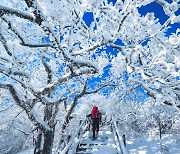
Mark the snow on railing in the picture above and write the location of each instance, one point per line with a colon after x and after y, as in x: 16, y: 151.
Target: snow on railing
x: 116, y: 140
x: 119, y: 140
x: 75, y: 139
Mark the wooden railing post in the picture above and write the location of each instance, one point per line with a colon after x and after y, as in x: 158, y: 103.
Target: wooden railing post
x: 121, y: 139
x: 124, y: 140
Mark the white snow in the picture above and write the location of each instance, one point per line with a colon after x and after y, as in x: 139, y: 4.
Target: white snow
x: 27, y: 151
x: 142, y: 145
x: 78, y: 58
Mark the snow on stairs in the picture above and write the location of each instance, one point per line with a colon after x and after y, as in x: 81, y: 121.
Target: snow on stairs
x: 103, y: 144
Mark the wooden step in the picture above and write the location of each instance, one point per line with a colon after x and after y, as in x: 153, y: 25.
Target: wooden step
x: 83, y: 152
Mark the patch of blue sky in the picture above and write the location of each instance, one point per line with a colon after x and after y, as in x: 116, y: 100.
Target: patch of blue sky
x: 78, y: 44
x: 55, y: 55
x: 46, y: 39
x: 61, y: 69
x: 97, y: 19
x: 29, y: 25
x: 119, y: 42
x: 61, y: 37
x: 177, y: 12
x: 144, y: 43
x: 61, y: 90
x: 142, y: 94
x: 3, y: 78
x: 112, y: 2
x: 110, y: 51
x: 88, y: 18
x: 47, y: 59
x: 55, y: 31
x: 156, y: 9
x: 178, y: 78
x: 159, y: 13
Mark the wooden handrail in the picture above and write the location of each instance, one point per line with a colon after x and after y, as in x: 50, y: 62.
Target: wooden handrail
x: 120, y: 138
x: 75, y: 138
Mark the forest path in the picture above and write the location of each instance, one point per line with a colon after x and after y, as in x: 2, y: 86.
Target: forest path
x: 103, y: 144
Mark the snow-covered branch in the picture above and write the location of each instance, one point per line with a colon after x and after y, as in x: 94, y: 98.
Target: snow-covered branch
x: 120, y: 25
x: 13, y: 93
x: 25, y: 106
x: 170, y: 9
x: 100, y: 88
x: 23, y: 42
x: 47, y: 28
x: 13, y: 11
x: 51, y: 87
x: 154, y: 94
x: 48, y: 70
x: 97, y: 45
x: 4, y: 42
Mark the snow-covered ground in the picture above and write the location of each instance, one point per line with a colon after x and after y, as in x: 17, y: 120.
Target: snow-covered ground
x: 169, y: 145
x: 27, y: 151
x: 105, y: 144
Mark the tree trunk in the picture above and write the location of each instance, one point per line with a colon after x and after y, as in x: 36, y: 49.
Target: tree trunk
x: 38, y: 143
x: 48, y: 142
x: 48, y: 135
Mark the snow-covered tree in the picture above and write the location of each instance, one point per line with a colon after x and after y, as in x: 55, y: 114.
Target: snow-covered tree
x: 49, y: 54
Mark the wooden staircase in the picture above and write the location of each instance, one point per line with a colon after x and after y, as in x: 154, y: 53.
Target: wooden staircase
x: 104, y: 140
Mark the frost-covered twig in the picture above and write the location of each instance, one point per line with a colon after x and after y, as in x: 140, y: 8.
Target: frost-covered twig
x: 23, y: 42
x: 25, y: 106
x: 51, y: 87
x: 12, y: 121
x: 47, y: 28
x: 6, y: 108
x: 19, y: 13
x: 95, y: 46
x: 120, y: 24
x: 48, y: 70
x: 153, y: 94
x: 169, y: 9
x: 4, y: 42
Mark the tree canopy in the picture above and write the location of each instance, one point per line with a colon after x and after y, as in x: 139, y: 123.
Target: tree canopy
x: 59, y: 56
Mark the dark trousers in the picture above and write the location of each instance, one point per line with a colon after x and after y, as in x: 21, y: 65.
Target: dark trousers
x: 95, y: 126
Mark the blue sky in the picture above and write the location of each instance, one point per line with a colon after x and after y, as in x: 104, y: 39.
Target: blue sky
x: 159, y: 13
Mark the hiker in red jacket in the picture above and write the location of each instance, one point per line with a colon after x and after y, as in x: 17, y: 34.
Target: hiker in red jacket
x: 96, y: 119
